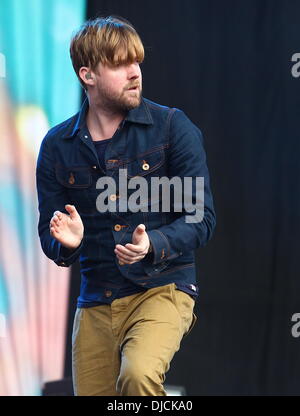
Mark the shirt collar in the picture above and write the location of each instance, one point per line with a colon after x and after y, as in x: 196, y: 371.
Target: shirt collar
x: 140, y: 115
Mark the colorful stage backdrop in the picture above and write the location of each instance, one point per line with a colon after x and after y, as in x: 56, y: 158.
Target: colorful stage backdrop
x: 38, y: 89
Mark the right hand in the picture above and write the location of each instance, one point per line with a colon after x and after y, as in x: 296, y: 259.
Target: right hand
x: 67, y: 229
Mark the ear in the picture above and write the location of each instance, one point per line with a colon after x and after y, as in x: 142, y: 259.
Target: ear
x: 86, y: 75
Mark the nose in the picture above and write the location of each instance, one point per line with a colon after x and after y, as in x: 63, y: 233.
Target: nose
x: 134, y: 71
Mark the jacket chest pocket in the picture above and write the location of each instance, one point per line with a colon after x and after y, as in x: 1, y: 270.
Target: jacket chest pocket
x: 79, y: 186
x: 140, y: 178
x: 147, y: 165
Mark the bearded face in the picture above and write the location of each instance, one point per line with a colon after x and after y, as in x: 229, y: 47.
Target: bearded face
x: 119, y: 88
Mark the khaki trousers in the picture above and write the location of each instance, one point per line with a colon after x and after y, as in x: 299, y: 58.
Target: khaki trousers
x: 125, y: 349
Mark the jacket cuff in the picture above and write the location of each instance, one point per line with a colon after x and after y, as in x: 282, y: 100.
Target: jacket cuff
x: 66, y: 256
x: 161, y: 248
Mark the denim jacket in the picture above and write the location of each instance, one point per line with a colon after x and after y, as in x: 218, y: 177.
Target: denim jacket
x: 152, y: 141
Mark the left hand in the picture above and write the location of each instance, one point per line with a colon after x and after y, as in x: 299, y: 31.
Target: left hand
x: 131, y: 253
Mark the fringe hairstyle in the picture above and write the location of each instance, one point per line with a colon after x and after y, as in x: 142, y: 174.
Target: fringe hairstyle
x: 110, y: 40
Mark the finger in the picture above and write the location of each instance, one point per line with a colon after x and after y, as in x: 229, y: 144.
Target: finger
x: 141, y: 228
x: 54, y: 225
x: 138, y: 258
x: 122, y: 256
x: 126, y: 251
x: 125, y: 255
x: 120, y: 261
x: 54, y: 232
x: 58, y: 214
x: 55, y: 221
x: 72, y: 211
x: 130, y: 260
x: 134, y: 248
x: 134, y: 257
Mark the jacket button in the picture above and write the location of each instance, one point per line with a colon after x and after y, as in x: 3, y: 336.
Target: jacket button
x: 108, y: 293
x: 145, y: 166
x: 71, y: 179
x: 117, y: 227
x: 94, y: 167
x: 62, y: 263
x: 113, y: 197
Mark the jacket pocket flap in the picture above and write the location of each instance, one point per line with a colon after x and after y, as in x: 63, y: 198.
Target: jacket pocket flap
x: 74, y: 177
x: 145, y: 164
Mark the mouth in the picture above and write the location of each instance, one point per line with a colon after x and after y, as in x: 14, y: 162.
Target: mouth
x: 134, y: 88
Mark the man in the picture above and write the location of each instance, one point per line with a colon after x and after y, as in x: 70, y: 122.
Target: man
x: 138, y: 279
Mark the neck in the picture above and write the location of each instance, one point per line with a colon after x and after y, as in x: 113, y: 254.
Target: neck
x: 102, y: 123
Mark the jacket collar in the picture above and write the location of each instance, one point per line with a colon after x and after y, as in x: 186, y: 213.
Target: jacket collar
x: 139, y: 115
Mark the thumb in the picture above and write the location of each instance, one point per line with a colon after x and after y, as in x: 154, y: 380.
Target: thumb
x: 138, y: 236
x: 141, y: 228
x: 72, y: 211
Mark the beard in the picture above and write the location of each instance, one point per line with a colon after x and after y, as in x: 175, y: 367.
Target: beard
x: 127, y: 100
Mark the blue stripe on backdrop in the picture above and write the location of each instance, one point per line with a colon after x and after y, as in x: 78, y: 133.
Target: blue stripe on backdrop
x: 38, y: 89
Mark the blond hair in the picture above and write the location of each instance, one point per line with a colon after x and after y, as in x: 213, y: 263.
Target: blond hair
x: 109, y: 40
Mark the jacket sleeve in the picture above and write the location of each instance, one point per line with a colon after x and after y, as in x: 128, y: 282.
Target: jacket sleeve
x: 191, y: 229
x: 51, y: 197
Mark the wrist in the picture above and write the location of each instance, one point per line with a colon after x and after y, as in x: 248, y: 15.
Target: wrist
x: 72, y: 246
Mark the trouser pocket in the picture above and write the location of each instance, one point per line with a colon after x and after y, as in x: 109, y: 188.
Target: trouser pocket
x: 185, y: 306
x: 194, y: 319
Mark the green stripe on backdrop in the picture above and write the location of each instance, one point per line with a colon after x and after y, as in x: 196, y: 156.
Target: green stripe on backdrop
x: 34, y: 38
